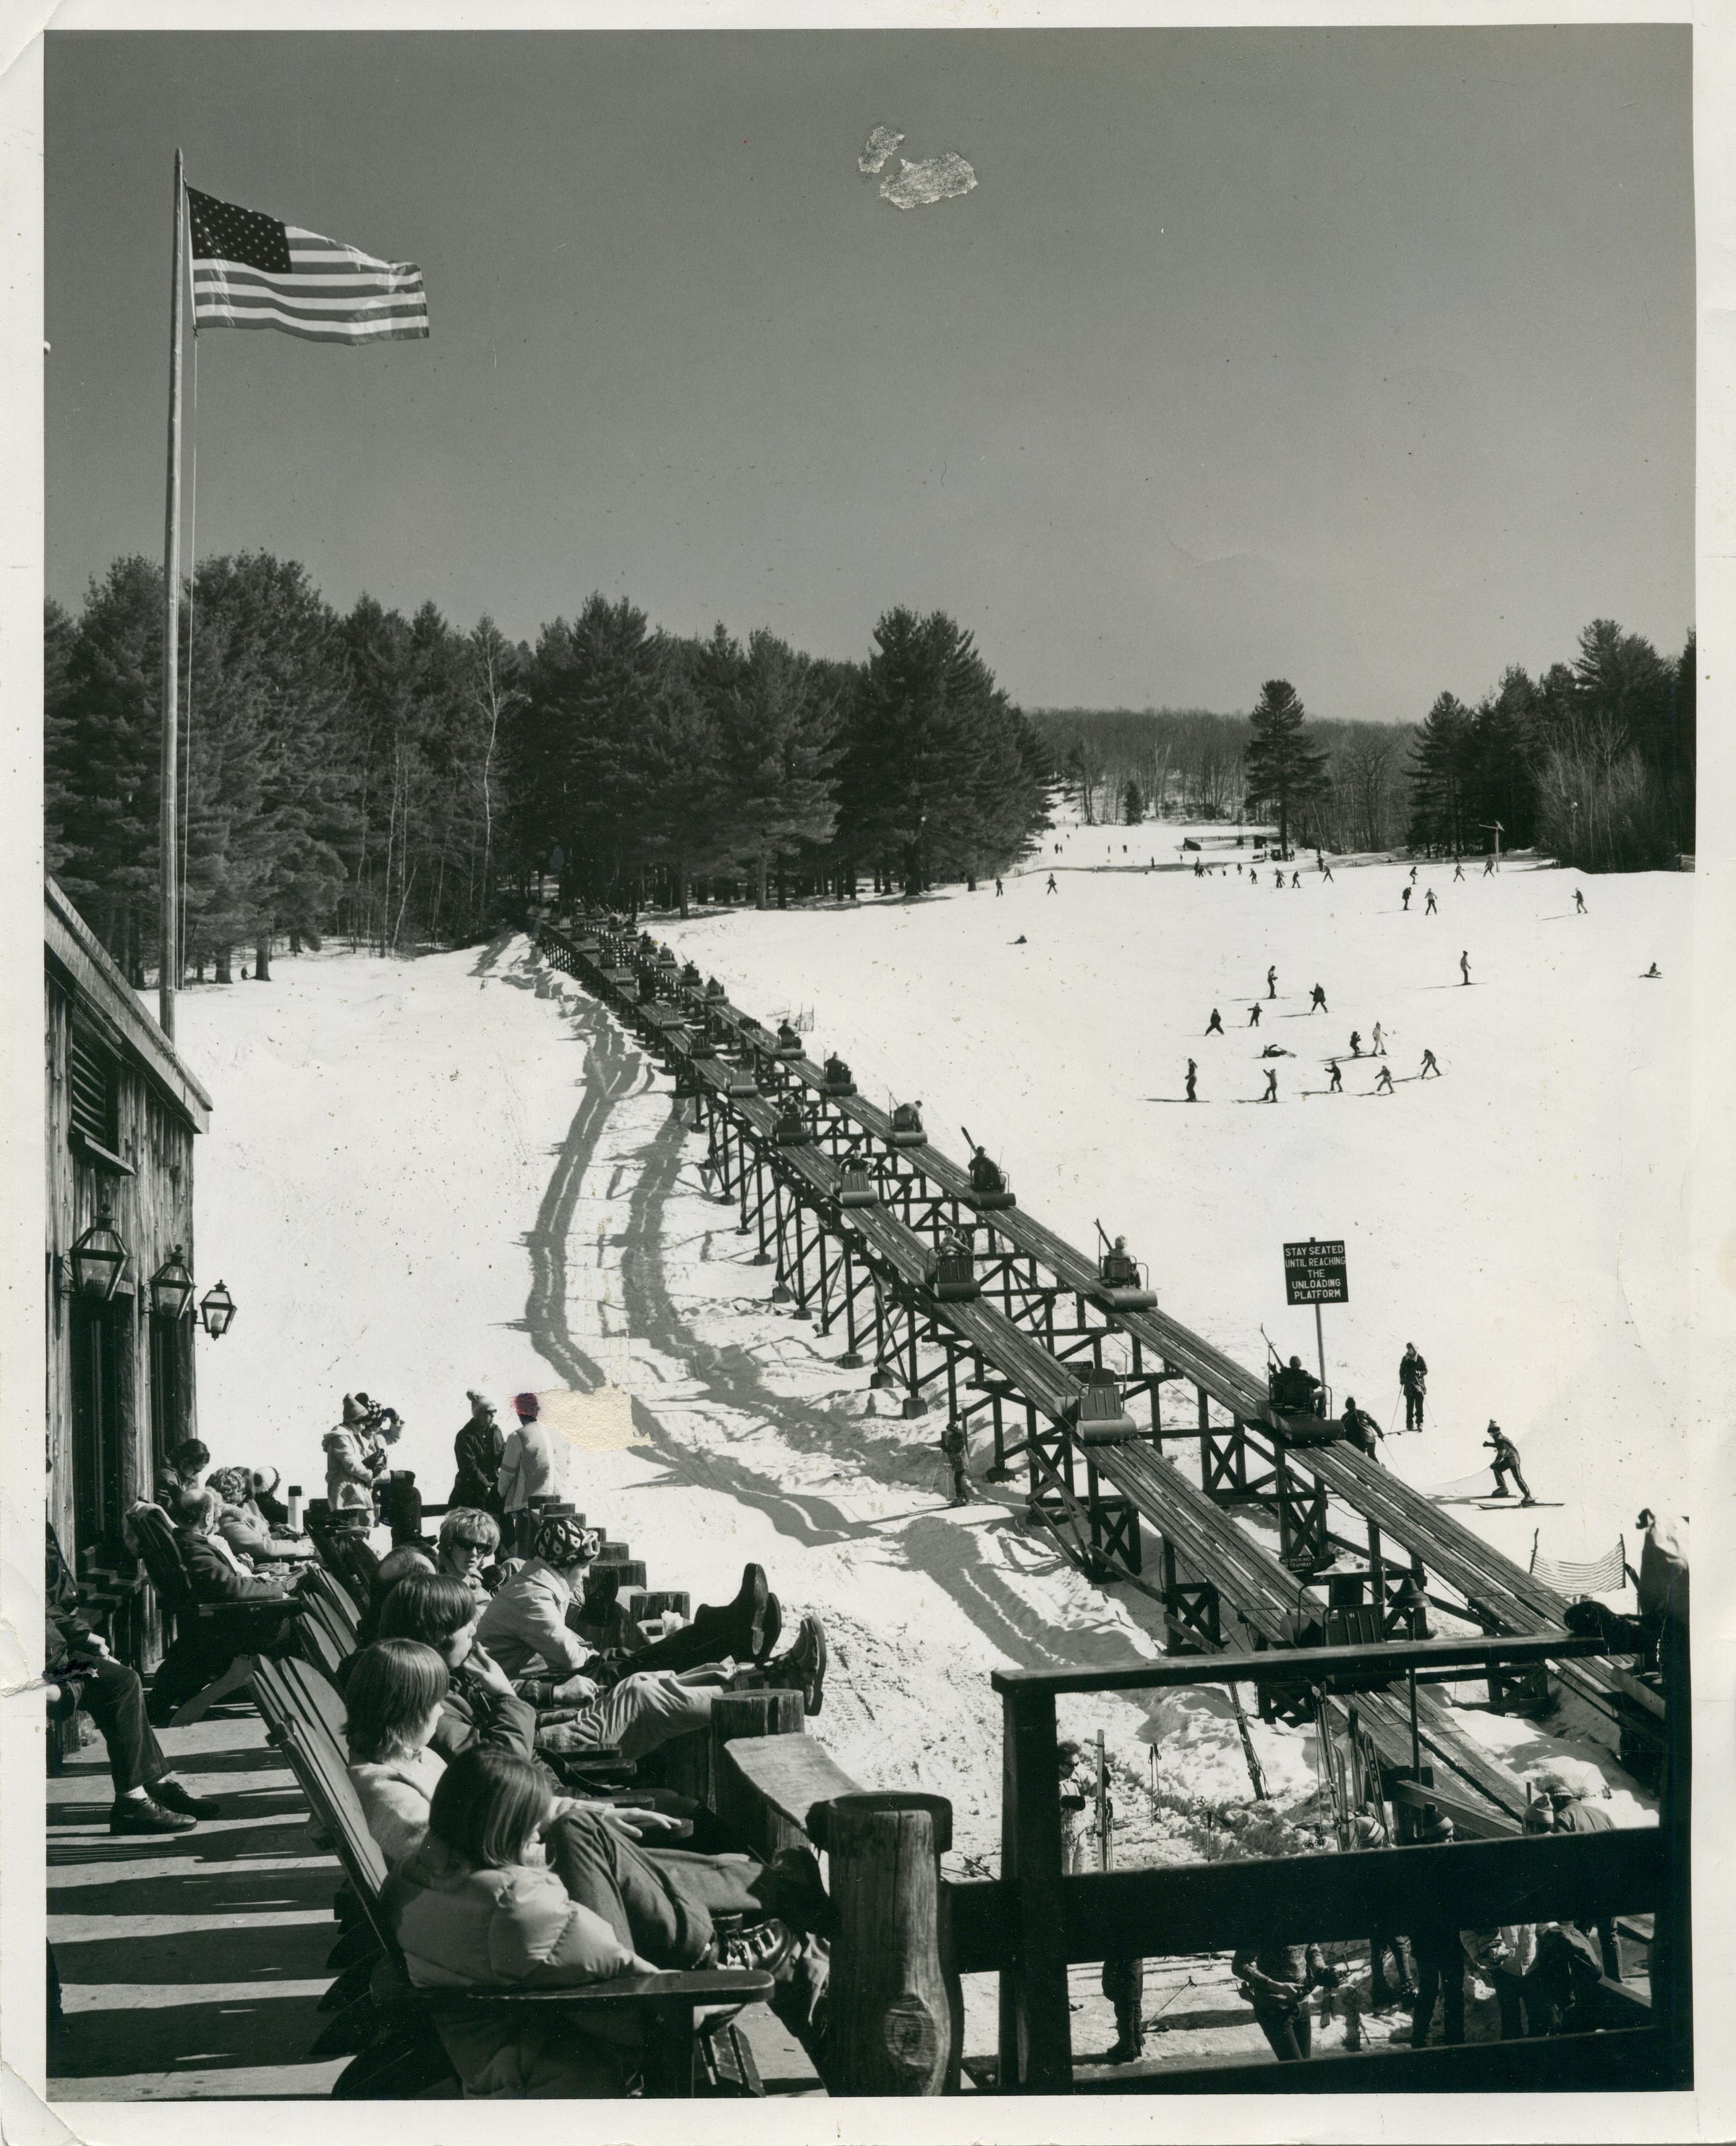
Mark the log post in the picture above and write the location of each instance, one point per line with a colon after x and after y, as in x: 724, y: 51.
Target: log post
x: 741, y: 1816
x: 895, y: 2010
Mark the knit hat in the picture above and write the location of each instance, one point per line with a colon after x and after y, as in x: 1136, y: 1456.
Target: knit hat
x: 1437, y: 1829
x: 352, y: 1411
x: 564, y: 1542
x: 526, y: 1404
x: 478, y: 1401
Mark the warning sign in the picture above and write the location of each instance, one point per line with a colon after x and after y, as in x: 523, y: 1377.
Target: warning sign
x: 1313, y: 1273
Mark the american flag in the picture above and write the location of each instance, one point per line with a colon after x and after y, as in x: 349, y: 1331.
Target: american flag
x: 251, y: 272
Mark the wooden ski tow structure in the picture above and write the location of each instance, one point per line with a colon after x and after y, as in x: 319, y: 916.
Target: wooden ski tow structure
x: 973, y: 1305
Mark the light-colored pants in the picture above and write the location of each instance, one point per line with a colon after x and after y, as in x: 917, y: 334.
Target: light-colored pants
x: 642, y: 1712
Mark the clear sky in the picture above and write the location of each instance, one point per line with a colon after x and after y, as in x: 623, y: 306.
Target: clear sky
x: 1362, y: 357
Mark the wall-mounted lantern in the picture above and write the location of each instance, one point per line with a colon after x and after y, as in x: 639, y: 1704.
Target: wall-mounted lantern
x: 171, y: 1286
x: 97, y: 1261
x: 216, y: 1308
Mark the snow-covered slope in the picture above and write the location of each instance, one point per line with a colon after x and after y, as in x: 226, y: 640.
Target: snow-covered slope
x: 1522, y: 1219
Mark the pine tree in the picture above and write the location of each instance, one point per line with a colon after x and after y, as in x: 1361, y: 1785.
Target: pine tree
x: 1132, y: 803
x: 777, y: 730
x: 103, y: 776
x: 1284, y: 771
x: 1438, y: 769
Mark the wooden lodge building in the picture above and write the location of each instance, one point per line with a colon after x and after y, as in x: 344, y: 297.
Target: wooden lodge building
x: 122, y: 1111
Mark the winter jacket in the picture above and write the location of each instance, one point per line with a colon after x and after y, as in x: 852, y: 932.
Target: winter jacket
x: 66, y: 1629
x: 527, y: 1466
x: 247, y: 1532
x: 527, y: 1620
x: 516, y: 1926
x: 479, y: 1449
x: 513, y: 1929
x: 394, y: 1794
x: 1412, y: 1371
x: 349, y: 1469
x: 219, y: 1575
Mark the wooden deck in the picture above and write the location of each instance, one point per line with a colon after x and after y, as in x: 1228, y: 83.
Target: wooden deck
x: 190, y: 1967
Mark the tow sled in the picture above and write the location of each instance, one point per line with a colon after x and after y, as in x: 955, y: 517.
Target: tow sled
x: 988, y: 1189
x: 954, y: 1275
x: 856, y: 1188
x: 906, y: 1127
x: 791, y: 1129
x: 1121, y: 1285
x: 1099, y: 1415
x: 788, y: 1044
x: 835, y: 1077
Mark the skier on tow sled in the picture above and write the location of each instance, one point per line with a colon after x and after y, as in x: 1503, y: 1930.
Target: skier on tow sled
x: 1360, y: 1428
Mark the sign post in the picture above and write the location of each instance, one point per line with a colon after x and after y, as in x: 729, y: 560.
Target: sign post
x: 1313, y: 1273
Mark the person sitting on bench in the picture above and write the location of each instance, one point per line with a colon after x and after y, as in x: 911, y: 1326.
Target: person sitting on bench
x: 660, y: 1901
x: 531, y: 1618
x: 244, y: 1526
x: 468, y: 1541
x: 505, y: 1890
x: 407, y: 1561
x: 1294, y: 1390
x: 479, y: 1705
x: 148, y: 1798
x: 182, y: 1480
x: 204, y: 1650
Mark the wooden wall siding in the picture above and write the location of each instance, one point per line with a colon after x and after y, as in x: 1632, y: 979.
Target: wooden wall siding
x: 159, y: 1107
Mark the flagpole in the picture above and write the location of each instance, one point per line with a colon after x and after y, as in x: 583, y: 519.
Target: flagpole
x: 169, y: 948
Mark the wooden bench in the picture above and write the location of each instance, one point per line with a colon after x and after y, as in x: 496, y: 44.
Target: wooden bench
x: 188, y: 1620
x: 403, y: 2053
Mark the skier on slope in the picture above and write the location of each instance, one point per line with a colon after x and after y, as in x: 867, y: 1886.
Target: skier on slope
x: 1579, y: 901
x: 1488, y: 865
x: 1325, y: 871
x: 1465, y: 967
x: 1505, y: 1463
x: 1379, y: 1035
x: 1193, y: 1074
x: 1383, y: 1081
x: 1317, y: 999
x: 1215, y: 1026
x: 1271, y: 1094
x: 1051, y: 888
x: 1404, y: 900
x: 1429, y: 1066
x: 1430, y: 904
x: 1337, y: 1078
x: 1457, y: 871
x: 1254, y: 1015
x: 1356, y: 1043
x: 1272, y: 982
x: 1413, y: 1379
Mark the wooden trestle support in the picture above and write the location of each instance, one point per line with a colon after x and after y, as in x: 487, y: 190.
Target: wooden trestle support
x: 1012, y: 1360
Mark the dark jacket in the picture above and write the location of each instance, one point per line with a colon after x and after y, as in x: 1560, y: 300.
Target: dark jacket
x: 478, y: 1448
x: 1412, y: 1371
x: 1300, y: 1965
x: 67, y: 1631
x: 469, y: 1716
x: 215, y: 1580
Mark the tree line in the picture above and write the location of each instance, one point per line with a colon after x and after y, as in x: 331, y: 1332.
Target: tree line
x: 1593, y: 761
x: 401, y: 781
